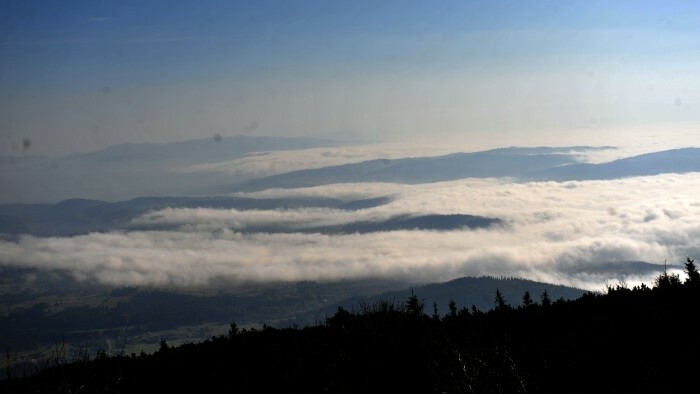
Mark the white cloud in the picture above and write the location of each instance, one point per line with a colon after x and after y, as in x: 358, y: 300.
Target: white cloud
x: 550, y: 226
x: 208, y: 219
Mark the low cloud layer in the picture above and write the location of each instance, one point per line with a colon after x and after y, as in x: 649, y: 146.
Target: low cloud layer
x: 552, y: 230
x: 209, y: 219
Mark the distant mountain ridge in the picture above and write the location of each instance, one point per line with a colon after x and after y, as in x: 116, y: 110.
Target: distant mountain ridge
x: 504, y: 162
x: 127, y: 171
x: 193, y: 151
x: 520, y: 164
x: 670, y: 161
x: 80, y: 216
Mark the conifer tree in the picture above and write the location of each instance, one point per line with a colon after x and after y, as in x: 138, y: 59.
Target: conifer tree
x: 545, y: 299
x: 527, y: 300
x: 452, y: 306
x: 500, y: 301
x: 414, y: 306
x: 233, y: 330
x: 666, y: 280
x: 692, y: 271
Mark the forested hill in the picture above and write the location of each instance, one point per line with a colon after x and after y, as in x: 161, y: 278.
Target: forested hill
x: 466, y: 291
x: 626, y: 340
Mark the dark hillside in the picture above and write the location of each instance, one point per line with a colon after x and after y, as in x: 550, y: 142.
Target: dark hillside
x: 627, y: 340
x: 466, y: 291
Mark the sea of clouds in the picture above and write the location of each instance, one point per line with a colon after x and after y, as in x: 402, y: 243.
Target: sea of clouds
x: 551, y: 232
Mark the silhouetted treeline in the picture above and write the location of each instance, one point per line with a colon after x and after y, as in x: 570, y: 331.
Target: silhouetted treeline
x: 130, y: 312
x: 640, y: 339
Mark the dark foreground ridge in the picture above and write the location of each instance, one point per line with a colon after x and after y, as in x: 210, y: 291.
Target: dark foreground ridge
x: 639, y: 339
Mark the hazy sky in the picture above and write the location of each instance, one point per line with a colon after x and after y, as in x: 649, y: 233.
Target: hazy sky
x: 81, y: 75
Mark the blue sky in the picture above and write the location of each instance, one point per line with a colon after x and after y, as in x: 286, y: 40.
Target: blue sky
x: 81, y: 75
